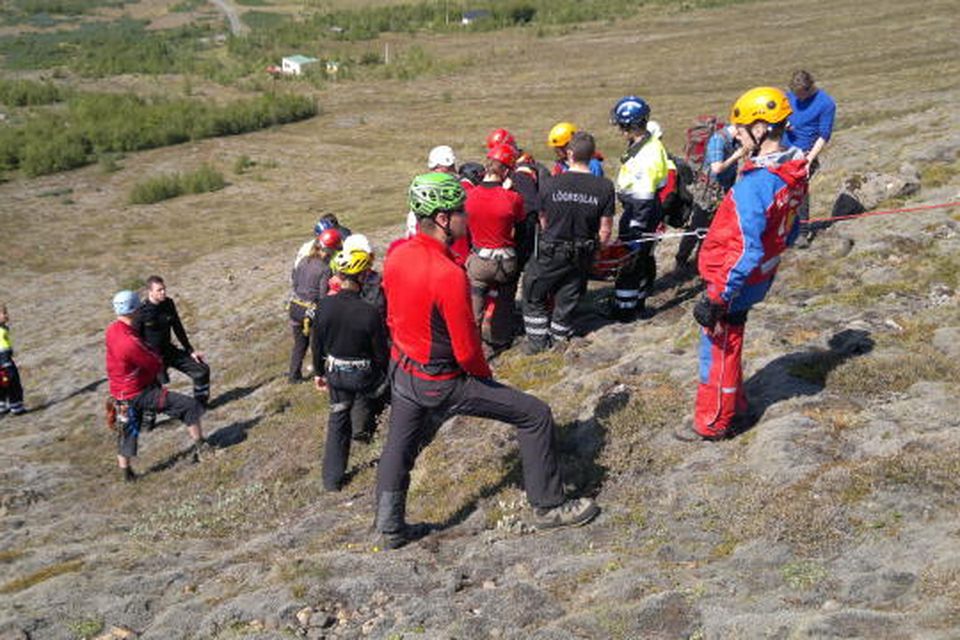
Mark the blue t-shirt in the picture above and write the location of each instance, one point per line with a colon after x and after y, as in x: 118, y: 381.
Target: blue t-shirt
x: 720, y: 146
x: 596, y: 166
x: 811, y: 119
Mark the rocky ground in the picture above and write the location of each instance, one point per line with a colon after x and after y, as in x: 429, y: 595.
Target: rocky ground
x: 834, y: 516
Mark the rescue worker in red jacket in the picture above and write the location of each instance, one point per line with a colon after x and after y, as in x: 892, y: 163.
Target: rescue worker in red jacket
x: 526, y: 178
x: 492, y: 215
x: 132, y: 370
x: 756, y: 221
x: 438, y: 370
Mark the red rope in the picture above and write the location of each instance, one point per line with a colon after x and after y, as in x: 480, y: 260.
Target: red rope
x: 945, y: 205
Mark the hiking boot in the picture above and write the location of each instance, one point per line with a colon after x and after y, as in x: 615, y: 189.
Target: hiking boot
x: 201, y: 450
x: 572, y: 513
x: 129, y: 475
x: 397, y: 539
x: 18, y: 411
x: 4, y: 409
x: 624, y: 316
x: 686, y: 433
x: 533, y: 347
x: 643, y: 313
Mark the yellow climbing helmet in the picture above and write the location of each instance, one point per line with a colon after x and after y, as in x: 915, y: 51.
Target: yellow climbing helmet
x: 353, y: 263
x: 762, y: 103
x: 561, y: 134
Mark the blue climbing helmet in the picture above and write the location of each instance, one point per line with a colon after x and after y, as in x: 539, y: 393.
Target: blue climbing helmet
x: 324, y: 223
x: 126, y: 302
x: 630, y: 111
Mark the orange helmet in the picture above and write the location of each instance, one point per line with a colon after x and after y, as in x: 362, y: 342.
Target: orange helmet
x: 762, y: 103
x: 561, y: 134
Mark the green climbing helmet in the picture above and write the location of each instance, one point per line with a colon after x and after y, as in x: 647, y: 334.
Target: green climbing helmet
x: 432, y: 193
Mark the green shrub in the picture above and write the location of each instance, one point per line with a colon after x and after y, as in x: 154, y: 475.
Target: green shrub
x: 57, y: 151
x: 115, y: 123
x: 27, y: 93
x: 204, y: 179
x: 108, y: 48
x: 64, y: 7
x: 156, y: 189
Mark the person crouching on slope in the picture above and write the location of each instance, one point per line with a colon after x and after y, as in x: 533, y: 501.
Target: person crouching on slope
x: 438, y: 370
x: 756, y: 221
x: 349, y: 343
x: 155, y: 321
x: 132, y: 370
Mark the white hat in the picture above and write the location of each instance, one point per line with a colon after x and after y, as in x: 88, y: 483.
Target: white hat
x: 357, y: 242
x: 441, y: 156
x: 654, y: 128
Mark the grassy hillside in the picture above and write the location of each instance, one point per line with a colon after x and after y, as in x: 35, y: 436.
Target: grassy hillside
x: 835, y: 516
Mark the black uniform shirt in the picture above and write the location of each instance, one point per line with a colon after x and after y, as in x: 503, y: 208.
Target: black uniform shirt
x: 154, y: 321
x: 350, y: 328
x: 573, y: 204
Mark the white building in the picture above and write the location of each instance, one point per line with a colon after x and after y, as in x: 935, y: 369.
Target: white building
x: 294, y: 65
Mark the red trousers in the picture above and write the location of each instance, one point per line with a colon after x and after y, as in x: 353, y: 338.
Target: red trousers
x: 720, y: 394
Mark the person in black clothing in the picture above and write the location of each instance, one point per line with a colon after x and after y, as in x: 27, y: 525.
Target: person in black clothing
x: 157, y: 317
x: 311, y: 279
x: 526, y: 180
x: 576, y: 218
x: 349, y: 343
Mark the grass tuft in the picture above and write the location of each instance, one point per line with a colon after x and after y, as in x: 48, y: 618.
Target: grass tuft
x: 42, y: 575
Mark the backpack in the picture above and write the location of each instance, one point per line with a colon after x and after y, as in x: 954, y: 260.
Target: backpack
x: 677, y: 204
x: 697, y: 137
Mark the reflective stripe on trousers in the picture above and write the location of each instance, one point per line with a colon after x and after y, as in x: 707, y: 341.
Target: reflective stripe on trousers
x: 626, y: 298
x: 535, y: 325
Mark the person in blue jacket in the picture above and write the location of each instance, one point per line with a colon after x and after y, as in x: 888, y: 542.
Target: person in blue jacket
x: 809, y: 128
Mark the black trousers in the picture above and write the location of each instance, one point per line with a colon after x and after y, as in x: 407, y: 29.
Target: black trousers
x: 199, y: 372
x: 634, y: 283
x: 558, y: 272
x: 12, y: 394
x: 353, y: 415
x: 153, y: 399
x: 301, y: 342
x: 419, y: 407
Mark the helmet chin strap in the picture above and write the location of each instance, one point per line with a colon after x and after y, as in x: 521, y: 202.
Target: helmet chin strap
x: 448, y: 234
x: 756, y: 142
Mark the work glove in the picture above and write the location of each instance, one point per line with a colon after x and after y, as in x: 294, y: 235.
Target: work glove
x: 708, y: 313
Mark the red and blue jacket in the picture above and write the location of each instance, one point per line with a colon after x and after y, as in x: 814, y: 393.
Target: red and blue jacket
x: 429, y: 314
x: 753, y: 225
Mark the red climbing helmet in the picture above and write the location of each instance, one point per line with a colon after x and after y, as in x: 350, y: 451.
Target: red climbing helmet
x: 329, y: 239
x: 505, y: 154
x: 500, y: 136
